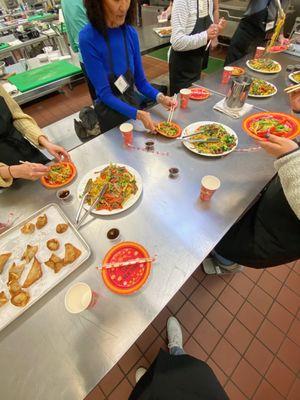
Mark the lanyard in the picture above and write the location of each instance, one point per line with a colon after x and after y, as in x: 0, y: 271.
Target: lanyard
x: 110, y: 55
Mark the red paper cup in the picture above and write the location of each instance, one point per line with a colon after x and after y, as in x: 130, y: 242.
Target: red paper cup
x: 259, y: 52
x: 127, y: 133
x: 209, y: 184
x: 227, y: 74
x: 184, y: 97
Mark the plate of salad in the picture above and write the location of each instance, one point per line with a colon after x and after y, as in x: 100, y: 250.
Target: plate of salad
x: 168, y: 129
x: 280, y: 124
x: 60, y: 174
x: 295, y: 77
x: 264, y: 65
x: 124, y: 188
x: 227, y: 142
x: 261, y: 88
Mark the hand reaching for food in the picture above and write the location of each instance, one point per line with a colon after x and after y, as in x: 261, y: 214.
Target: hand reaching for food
x: 27, y: 170
x: 146, y: 119
x: 168, y: 102
x: 57, y: 151
x: 277, y: 146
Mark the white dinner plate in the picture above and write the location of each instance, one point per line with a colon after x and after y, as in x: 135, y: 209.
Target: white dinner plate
x: 263, y: 72
x: 260, y: 96
x: 190, y: 129
x: 129, y: 203
x: 291, y: 76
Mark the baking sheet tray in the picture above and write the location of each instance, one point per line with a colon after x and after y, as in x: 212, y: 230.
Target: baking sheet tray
x: 158, y: 32
x: 15, y: 242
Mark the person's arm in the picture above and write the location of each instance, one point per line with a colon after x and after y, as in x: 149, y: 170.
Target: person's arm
x: 96, y: 72
x: 27, y: 170
x: 74, y: 21
x: 216, y: 13
x: 6, y: 179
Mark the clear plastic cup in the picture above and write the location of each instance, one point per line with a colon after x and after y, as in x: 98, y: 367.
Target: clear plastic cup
x: 184, y: 97
x: 227, y: 74
x: 127, y: 133
x: 209, y: 184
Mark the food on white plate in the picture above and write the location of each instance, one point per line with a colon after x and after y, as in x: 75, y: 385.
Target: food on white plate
x: 3, y: 260
x: 53, y: 244
x: 34, y: 274
x: 56, y: 263
x: 61, y: 228
x: 3, y: 299
x: 41, y: 221
x: 260, y: 87
x: 71, y: 254
x: 29, y: 253
x: 15, y: 272
x: 20, y: 299
x: 265, y: 65
x: 28, y: 228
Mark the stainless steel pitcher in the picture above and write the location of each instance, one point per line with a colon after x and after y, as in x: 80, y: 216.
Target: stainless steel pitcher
x: 238, y: 93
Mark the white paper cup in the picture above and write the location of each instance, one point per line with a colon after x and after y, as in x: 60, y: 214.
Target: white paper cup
x: 78, y: 298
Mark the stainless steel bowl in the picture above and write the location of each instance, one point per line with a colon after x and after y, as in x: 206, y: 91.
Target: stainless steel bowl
x: 2, y: 68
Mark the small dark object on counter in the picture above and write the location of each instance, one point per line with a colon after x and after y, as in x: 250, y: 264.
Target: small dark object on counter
x: 149, y: 146
x: 63, y: 194
x: 113, y: 234
x: 173, y: 172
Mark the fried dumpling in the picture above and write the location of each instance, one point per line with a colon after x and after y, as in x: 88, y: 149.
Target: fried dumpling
x: 3, y: 299
x: 34, y: 274
x: 20, y: 299
x: 3, y: 259
x: 55, y: 262
x: 71, y: 253
x: 28, y: 228
x: 14, y: 288
x: 41, y: 221
x: 61, y: 228
x: 29, y: 253
x: 53, y: 244
x: 15, y: 272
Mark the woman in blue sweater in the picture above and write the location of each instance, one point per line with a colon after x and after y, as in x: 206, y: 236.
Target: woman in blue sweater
x: 111, y: 54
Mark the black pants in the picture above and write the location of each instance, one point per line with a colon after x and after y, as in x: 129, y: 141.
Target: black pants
x: 89, y: 83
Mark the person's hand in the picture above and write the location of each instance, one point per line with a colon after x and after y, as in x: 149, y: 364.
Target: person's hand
x: 146, y: 119
x: 167, y: 102
x: 222, y: 24
x: 212, y: 31
x: 283, y: 41
x: 214, y: 43
x: 29, y: 171
x: 277, y: 146
x: 58, y: 152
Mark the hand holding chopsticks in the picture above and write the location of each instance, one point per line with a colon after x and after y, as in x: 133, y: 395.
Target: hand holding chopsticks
x: 172, y: 109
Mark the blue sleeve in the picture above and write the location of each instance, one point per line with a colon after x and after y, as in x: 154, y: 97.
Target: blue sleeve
x: 141, y: 82
x: 93, y: 64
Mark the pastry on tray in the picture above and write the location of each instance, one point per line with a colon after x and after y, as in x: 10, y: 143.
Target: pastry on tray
x: 61, y: 228
x: 34, y: 274
x: 14, y: 287
x: 55, y: 262
x: 71, y: 253
x: 15, y: 272
x: 28, y: 228
x: 3, y: 299
x: 20, y: 299
x: 29, y: 253
x: 53, y: 244
x: 3, y: 259
x: 41, y: 221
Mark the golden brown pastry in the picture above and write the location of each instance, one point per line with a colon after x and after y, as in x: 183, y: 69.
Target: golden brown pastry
x: 71, y: 253
x: 3, y: 299
x: 34, y: 274
x: 55, y: 262
x: 20, y: 299
x: 53, y: 244
x: 61, y: 228
x: 15, y: 272
x: 28, y: 228
x: 14, y: 288
x: 41, y: 221
x: 3, y: 259
x: 29, y: 253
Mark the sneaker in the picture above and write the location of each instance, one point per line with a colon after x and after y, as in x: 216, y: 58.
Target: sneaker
x: 212, y: 267
x: 139, y: 373
x: 174, y: 333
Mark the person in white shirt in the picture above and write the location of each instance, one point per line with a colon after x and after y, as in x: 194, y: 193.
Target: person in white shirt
x: 192, y: 30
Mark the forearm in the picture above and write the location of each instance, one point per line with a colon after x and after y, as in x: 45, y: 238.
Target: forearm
x: 216, y: 12
x: 6, y: 179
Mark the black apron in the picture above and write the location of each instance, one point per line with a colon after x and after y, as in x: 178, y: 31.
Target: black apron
x: 13, y: 146
x: 267, y: 235
x: 185, y: 66
x: 178, y: 378
x: 107, y: 117
x: 248, y: 35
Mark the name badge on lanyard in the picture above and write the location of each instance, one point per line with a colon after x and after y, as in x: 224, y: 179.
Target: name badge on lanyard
x: 270, y: 25
x: 121, y: 84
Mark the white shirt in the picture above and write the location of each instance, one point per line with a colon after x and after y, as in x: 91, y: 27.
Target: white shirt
x: 184, y: 17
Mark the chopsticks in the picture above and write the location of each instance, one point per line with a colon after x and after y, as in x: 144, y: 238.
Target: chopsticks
x: 172, y: 109
x: 128, y: 263
x: 293, y: 88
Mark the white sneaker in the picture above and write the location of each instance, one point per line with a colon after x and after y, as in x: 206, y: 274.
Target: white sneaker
x: 139, y: 373
x: 211, y: 266
x: 174, y: 333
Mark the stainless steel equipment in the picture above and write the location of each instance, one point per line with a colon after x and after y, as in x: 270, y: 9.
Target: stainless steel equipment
x: 2, y: 68
x: 238, y: 92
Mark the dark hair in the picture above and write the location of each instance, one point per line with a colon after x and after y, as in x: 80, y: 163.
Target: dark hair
x: 95, y: 13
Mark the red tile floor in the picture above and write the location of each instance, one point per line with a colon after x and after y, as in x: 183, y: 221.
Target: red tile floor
x: 246, y: 326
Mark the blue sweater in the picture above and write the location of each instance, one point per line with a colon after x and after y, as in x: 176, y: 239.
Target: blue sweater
x: 96, y: 61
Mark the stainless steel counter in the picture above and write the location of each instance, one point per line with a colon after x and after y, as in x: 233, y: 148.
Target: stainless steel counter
x: 278, y: 102
x: 50, y: 354
x: 30, y: 42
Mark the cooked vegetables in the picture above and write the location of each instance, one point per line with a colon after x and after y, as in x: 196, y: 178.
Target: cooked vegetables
x: 269, y: 124
x: 264, y: 65
x: 296, y: 76
x: 59, y: 173
x: 121, y: 186
x: 167, y: 129
x: 259, y: 87
x: 227, y: 140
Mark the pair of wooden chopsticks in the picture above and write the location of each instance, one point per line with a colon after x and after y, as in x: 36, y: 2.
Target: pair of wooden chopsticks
x: 293, y: 88
x: 128, y: 263
x: 172, y: 109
